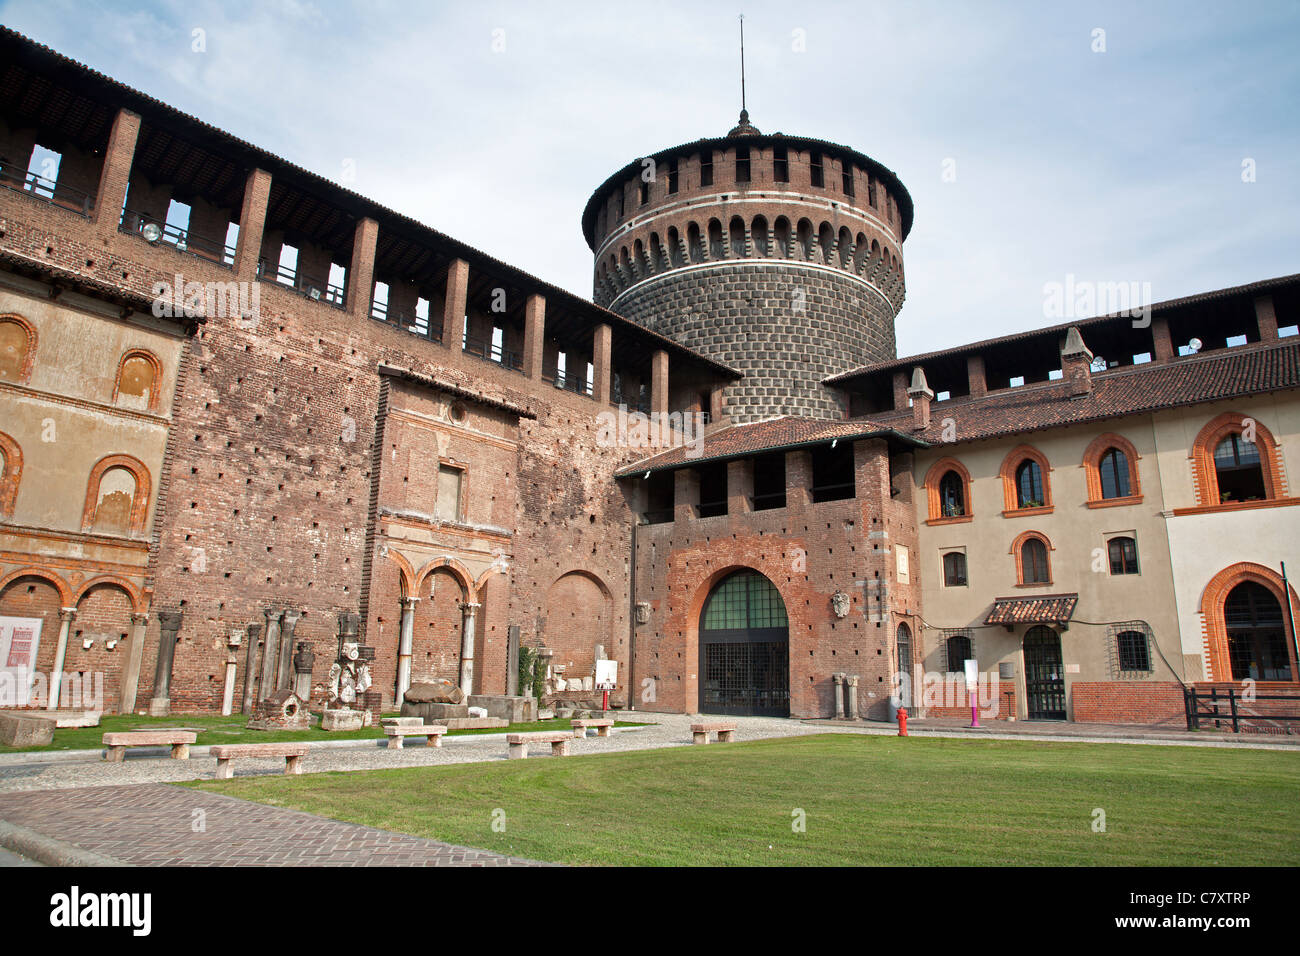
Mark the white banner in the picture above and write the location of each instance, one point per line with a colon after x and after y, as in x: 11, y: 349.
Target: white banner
x: 20, y: 640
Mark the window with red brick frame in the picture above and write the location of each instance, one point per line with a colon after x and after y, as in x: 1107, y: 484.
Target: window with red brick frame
x: 1239, y: 448
x: 1026, y: 475
x: 1032, y: 551
x: 1110, y: 464
x: 948, y: 493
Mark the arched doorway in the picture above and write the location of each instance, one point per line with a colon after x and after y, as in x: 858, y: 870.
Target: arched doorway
x: 903, y: 646
x: 744, y: 648
x: 1252, y: 616
x: 1044, y: 675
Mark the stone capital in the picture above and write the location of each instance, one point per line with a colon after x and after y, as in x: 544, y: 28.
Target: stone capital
x: 67, y: 614
x: 140, y: 620
x: 170, y: 621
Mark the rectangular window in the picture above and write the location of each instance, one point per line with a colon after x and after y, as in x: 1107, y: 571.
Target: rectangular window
x: 818, y: 173
x: 645, y: 192
x: 450, y: 481
x: 871, y: 193
x: 781, y: 164
x: 706, y: 169
x: 954, y: 569
x: 847, y: 178
x: 742, y: 164
x: 1133, y: 650
x: 672, y: 176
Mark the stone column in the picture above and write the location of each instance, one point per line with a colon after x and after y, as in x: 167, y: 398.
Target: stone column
x: 170, y: 622
x: 284, y: 673
x: 852, y: 708
x: 404, y: 648
x: 232, y: 664
x: 270, y: 653
x: 303, y: 663
x: 252, y: 223
x: 131, y: 672
x: 66, y: 616
x: 839, y: 695
x: 470, y: 610
x: 512, y: 660
x: 250, y: 665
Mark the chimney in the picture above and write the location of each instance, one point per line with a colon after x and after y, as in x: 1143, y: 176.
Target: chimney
x: 1076, y: 364
x: 921, y: 396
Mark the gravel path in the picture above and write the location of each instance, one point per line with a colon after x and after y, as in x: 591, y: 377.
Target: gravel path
x: 19, y: 772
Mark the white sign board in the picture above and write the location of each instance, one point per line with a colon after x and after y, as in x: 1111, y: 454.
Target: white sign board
x: 972, y: 675
x: 20, y: 640
x: 606, y: 675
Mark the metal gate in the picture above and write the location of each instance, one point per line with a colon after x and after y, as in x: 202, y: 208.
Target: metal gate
x: 1044, y: 675
x: 744, y: 649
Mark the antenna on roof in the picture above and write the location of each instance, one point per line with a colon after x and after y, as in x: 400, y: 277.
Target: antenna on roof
x: 742, y: 63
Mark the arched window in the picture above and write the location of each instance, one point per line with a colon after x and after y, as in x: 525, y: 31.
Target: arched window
x: 1256, y: 634
x: 117, y: 497
x: 695, y: 242
x: 958, y: 649
x: 1236, y: 461
x: 954, y: 569
x: 737, y: 230
x: 1123, y: 555
x: 759, y: 232
x: 1025, y: 484
x: 11, y: 471
x: 952, y: 495
x: 139, y: 376
x: 805, y: 231
x: 1032, y: 563
x: 1238, y: 471
x: 1110, y: 466
x: 17, y: 348
x: 948, y: 490
x: 1029, y: 485
x: 781, y: 232
x: 717, y: 248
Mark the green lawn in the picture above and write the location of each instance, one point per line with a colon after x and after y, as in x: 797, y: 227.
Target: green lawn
x: 230, y: 730
x: 867, y: 800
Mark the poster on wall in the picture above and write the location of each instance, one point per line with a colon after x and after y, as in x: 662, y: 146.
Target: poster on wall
x: 20, y: 640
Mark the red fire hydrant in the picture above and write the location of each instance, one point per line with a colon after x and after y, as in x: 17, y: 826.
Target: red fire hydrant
x: 902, y: 721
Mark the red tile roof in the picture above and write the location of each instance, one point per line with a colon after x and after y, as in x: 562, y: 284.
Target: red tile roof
x: 771, y: 434
x: 1040, y: 609
x: 1138, y: 389
x: 1263, y: 285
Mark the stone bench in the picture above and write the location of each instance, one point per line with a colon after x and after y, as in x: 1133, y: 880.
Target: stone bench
x: 178, y: 740
x: 724, y: 730
x: 292, y: 754
x: 518, y: 744
x: 580, y: 726
x: 396, y: 733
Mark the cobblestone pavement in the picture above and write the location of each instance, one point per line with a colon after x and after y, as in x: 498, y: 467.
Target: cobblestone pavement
x: 29, y: 772
x: 155, y: 825
x: 8, y: 858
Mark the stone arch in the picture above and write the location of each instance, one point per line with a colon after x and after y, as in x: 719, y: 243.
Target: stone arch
x: 675, y: 258
x: 695, y: 242
x: 438, y: 626
x: 17, y: 348
x: 758, y: 229
x: 578, y: 614
x: 736, y: 230
x: 1214, y: 628
x: 49, y: 577
x: 748, y: 639
x: 805, y: 238
x: 457, y: 570
x: 845, y: 247
x: 826, y: 242
x: 860, y: 250
x: 406, y: 574
x: 11, y: 473
x: 717, y: 245
x: 139, y: 604
x: 139, y: 506
x: 781, y: 233
x: 138, y: 369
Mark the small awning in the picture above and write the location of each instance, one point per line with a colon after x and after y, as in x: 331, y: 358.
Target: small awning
x: 1042, y: 609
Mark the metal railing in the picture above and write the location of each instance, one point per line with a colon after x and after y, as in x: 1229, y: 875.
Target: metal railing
x: 183, y: 240
x: 407, y: 321
x: 765, y: 502
x: 490, y: 352
x: 47, y: 190
x: 1200, y: 706
x: 310, y: 287
x: 836, y: 492
x: 571, y: 383
x: 658, y: 516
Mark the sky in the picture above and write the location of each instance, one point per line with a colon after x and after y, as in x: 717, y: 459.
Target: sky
x: 1153, y: 143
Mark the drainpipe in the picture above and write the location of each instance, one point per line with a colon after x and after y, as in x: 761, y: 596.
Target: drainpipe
x: 631, y: 624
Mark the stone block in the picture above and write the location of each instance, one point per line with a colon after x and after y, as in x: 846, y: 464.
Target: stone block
x: 20, y: 730
x: 434, y: 713
x: 337, y: 720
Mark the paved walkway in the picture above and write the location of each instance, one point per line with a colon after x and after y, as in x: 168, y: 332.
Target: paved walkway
x: 158, y: 825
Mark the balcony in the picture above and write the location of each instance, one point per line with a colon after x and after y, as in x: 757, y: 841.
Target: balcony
x: 486, y: 350
x: 309, y: 287
x: 407, y: 321
x: 45, y: 190
x: 157, y: 232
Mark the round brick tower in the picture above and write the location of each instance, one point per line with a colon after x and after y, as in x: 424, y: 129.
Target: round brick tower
x: 781, y: 256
